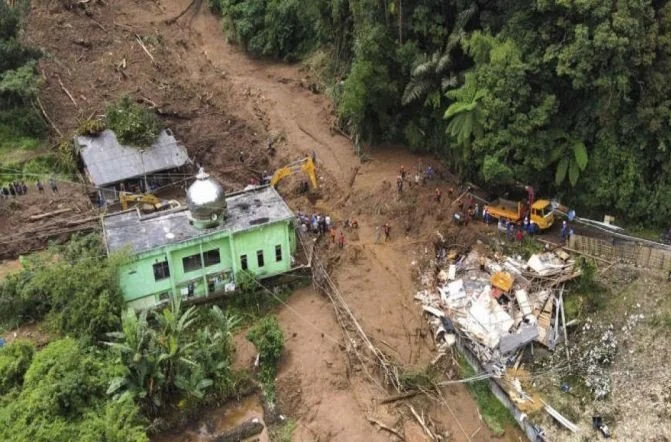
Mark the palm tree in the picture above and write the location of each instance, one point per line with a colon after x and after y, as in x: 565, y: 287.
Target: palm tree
x: 465, y: 113
x: 432, y: 73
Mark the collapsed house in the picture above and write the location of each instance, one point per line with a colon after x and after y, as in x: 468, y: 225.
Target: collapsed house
x: 112, y: 167
x: 494, y: 306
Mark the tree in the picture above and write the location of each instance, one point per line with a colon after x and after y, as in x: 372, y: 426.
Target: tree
x: 63, y: 398
x: 435, y: 74
x: 465, y: 114
x: 15, y: 359
x: 133, y: 124
x: 170, y: 359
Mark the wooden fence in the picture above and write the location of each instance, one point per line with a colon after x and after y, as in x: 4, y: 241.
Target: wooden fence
x: 618, y: 250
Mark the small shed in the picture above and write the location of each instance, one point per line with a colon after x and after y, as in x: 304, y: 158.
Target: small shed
x: 111, y: 166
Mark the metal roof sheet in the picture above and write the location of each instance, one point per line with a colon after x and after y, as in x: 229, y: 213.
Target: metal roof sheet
x: 250, y: 208
x: 109, y: 162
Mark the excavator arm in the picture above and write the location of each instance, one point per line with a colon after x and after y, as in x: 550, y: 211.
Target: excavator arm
x: 307, y: 166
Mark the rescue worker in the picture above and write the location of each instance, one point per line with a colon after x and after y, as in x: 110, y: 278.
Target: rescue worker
x: 341, y: 240
x: 333, y: 235
x: 417, y: 179
x: 52, y: 183
x: 387, y: 231
x: 403, y: 172
x: 399, y: 184
x: 439, y: 194
x: 564, y: 231
x: 485, y: 214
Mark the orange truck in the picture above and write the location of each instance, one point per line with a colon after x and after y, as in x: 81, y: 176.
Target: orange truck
x: 541, y: 216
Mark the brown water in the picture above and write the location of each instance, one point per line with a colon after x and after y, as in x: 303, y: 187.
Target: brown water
x: 219, y: 420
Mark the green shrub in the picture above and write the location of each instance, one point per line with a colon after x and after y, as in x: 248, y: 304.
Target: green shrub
x: 63, y: 398
x: 15, y: 358
x: 91, y: 128
x: 267, y: 337
x: 78, y: 297
x: 133, y: 124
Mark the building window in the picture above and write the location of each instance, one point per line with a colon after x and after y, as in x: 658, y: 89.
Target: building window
x: 259, y: 258
x: 243, y: 262
x: 278, y: 253
x: 192, y: 263
x: 211, y: 257
x: 161, y: 271
x: 164, y: 296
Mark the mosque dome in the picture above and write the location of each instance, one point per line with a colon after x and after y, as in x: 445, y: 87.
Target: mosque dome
x: 206, y: 200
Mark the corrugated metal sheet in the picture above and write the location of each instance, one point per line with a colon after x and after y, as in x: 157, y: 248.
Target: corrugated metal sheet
x: 109, y: 162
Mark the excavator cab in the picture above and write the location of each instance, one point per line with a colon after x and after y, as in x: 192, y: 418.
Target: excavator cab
x: 306, y: 165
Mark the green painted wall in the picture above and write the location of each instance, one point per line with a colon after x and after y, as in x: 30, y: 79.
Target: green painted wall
x: 141, y: 290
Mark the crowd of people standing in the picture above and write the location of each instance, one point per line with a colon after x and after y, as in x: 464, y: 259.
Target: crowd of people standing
x: 19, y: 188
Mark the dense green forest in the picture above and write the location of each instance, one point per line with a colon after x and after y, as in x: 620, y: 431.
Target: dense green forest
x: 20, y: 123
x: 571, y: 96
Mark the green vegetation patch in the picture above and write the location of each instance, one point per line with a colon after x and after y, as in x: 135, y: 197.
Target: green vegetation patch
x: 133, y: 124
x: 494, y: 413
x: 268, y: 338
x: 21, y: 126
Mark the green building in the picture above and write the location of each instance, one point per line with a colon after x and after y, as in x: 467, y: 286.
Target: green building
x: 197, y: 250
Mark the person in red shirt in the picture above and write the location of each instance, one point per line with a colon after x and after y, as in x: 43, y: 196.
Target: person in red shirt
x: 519, y: 235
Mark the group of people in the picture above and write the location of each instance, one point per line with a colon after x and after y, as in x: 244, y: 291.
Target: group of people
x: 19, y: 188
x: 421, y: 176
x: 315, y: 223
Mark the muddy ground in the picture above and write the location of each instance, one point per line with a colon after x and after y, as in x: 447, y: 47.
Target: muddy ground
x: 219, y: 102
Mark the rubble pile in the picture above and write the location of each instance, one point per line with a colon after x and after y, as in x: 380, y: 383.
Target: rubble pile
x: 599, y: 353
x: 498, y: 304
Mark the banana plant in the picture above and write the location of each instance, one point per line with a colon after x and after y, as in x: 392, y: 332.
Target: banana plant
x: 571, y: 158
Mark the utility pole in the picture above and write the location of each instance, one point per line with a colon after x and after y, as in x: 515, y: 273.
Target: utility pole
x: 144, y: 172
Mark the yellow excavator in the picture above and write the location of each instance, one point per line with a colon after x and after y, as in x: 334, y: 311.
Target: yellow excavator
x: 306, y: 165
x: 148, y: 202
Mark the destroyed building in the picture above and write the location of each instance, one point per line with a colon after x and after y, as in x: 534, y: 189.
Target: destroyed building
x: 494, y: 306
x: 199, y: 250
x: 112, y: 167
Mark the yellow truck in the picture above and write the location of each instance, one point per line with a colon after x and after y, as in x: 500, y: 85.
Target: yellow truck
x: 541, y: 216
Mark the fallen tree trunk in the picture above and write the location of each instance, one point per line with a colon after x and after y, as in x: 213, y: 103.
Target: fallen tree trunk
x: 243, y: 431
x: 48, y: 214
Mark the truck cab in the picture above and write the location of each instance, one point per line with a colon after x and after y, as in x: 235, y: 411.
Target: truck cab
x: 542, y: 214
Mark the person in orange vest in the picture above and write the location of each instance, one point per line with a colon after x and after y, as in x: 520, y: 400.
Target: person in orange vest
x: 341, y: 240
x: 439, y: 194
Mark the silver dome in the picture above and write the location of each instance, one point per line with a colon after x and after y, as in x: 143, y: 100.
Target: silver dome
x: 205, y: 199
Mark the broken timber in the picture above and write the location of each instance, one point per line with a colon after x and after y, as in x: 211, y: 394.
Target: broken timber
x: 49, y: 214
